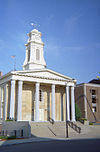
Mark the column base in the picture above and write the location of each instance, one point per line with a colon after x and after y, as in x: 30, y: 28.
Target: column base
x: 73, y: 120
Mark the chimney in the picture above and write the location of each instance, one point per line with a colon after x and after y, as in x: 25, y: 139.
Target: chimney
x: 1, y: 74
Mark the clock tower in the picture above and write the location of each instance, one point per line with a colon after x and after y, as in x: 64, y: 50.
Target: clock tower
x: 34, y: 52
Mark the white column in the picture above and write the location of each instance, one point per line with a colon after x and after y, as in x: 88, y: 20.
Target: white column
x: 5, y: 102
x: 72, y: 104
x: 37, y: 102
x: 62, y: 117
x: 53, y: 102
x: 12, y: 99
x: 19, y: 107
x: 1, y: 103
x: 67, y: 103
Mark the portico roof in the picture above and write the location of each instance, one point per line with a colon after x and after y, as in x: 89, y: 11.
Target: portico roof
x: 45, y: 74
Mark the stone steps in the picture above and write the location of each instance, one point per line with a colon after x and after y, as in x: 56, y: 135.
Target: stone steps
x: 46, y: 129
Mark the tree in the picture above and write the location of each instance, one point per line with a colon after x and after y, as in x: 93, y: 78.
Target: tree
x: 78, y: 113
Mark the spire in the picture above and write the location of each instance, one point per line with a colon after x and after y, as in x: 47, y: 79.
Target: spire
x: 34, y: 52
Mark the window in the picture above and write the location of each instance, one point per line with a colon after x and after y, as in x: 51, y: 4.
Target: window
x: 40, y: 95
x: 93, y: 92
x: 93, y: 100
x: 28, y: 55
x: 94, y: 109
x: 37, y: 54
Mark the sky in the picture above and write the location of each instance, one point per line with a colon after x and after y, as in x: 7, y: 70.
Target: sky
x: 70, y: 31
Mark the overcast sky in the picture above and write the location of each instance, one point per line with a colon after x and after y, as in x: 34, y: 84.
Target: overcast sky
x: 70, y: 30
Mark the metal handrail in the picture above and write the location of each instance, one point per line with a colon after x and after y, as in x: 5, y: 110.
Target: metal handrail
x: 74, y: 126
x: 51, y: 120
x: 51, y: 131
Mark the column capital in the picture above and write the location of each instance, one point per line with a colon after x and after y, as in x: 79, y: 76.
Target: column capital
x: 53, y: 86
x: 37, y: 83
x: 67, y: 86
x: 73, y: 86
x: 12, y: 81
x: 20, y: 82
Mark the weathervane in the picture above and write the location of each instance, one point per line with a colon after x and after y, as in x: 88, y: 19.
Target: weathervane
x: 35, y: 25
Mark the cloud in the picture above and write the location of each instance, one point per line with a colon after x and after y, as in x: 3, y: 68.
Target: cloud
x: 71, y: 22
x: 2, y: 44
x: 52, y: 45
x: 75, y: 48
x: 97, y: 45
x: 50, y: 18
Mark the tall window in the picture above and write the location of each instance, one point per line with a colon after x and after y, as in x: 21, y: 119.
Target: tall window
x: 37, y: 54
x: 28, y: 55
x: 93, y: 92
x: 40, y: 95
x: 94, y: 100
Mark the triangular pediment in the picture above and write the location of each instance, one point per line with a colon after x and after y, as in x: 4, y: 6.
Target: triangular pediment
x: 44, y: 73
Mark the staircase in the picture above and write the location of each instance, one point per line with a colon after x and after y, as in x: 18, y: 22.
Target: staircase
x: 47, y: 129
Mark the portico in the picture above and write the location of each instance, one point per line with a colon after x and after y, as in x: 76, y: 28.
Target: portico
x: 52, y: 99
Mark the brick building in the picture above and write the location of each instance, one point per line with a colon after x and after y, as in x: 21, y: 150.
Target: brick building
x: 87, y: 96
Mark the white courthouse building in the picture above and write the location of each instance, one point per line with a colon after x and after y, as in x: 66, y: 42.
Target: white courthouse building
x: 36, y: 93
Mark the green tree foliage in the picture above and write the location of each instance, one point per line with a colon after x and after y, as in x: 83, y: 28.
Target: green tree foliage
x: 78, y: 113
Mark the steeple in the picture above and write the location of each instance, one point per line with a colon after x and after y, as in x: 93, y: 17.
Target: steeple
x: 34, y: 52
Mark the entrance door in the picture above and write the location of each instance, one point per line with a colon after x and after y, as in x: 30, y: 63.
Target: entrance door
x: 41, y: 114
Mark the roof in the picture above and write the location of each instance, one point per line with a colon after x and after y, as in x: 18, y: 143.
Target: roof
x: 43, y: 74
x: 95, y: 81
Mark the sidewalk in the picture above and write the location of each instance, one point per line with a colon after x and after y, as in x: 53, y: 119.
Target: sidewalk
x: 20, y: 141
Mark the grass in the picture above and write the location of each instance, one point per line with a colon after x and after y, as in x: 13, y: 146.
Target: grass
x: 7, y: 137
x: 9, y: 120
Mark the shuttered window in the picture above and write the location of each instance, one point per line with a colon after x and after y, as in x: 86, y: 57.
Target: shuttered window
x: 28, y: 55
x: 41, y: 95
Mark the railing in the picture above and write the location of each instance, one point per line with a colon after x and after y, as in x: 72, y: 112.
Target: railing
x: 74, y: 126
x: 51, y: 120
x: 52, y: 131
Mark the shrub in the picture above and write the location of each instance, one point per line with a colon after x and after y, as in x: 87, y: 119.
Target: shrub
x: 3, y: 137
x: 78, y: 113
x: 84, y: 119
x: 90, y: 123
x: 7, y: 138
